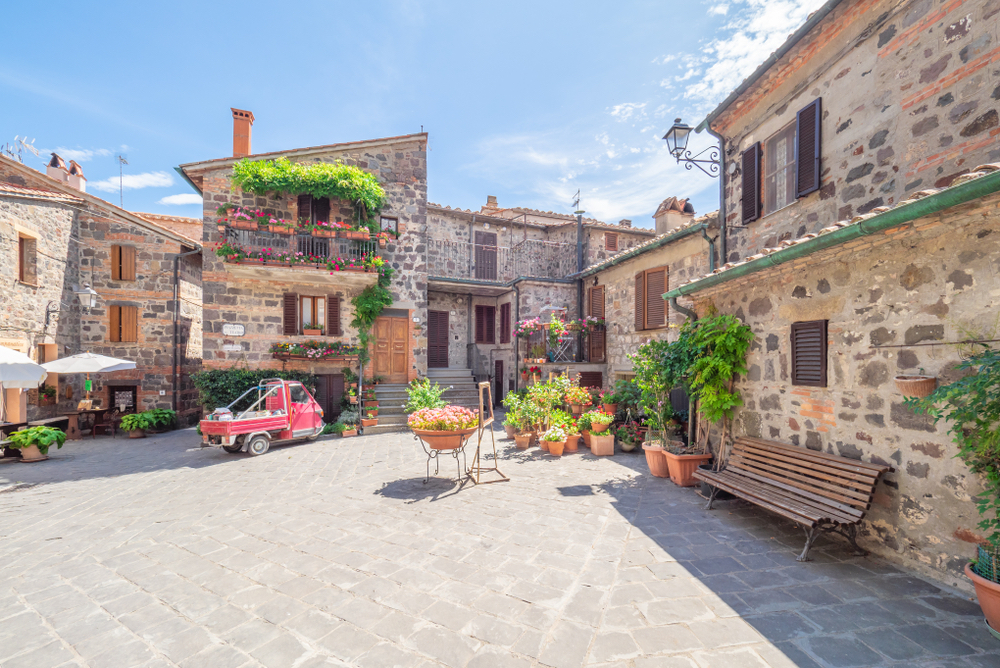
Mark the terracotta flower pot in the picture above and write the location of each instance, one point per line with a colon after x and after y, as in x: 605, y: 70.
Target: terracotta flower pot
x: 602, y: 445
x: 916, y: 386
x: 577, y: 409
x: 682, y: 468
x: 598, y: 428
x: 610, y: 409
x: 137, y: 433
x: 572, y: 443
x: 522, y: 441
x: 509, y: 429
x: 280, y: 229
x: 535, y: 377
x: 585, y: 435
x: 988, y: 593
x: 365, y: 422
x: 353, y: 400
x: 32, y: 454
x: 656, y: 459
x: 324, y: 233
x: 544, y: 445
x: 555, y: 448
x: 349, y: 432
x: 443, y: 440
x: 312, y: 332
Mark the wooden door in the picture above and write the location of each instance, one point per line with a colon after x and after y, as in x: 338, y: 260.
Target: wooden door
x: 486, y: 256
x: 437, y: 339
x: 329, y: 393
x: 390, y: 349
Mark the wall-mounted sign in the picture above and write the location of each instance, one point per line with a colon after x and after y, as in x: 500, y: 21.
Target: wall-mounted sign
x: 20, y: 345
x: 233, y: 330
x: 232, y: 347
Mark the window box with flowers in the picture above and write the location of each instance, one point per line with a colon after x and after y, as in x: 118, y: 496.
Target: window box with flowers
x: 314, y: 350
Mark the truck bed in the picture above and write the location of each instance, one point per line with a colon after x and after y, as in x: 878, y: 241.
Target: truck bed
x: 245, y: 426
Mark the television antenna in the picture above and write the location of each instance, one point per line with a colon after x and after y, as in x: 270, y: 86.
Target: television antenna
x: 576, y: 204
x: 121, y: 179
x: 21, y: 144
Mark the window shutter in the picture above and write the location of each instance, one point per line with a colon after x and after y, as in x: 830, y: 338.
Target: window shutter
x: 656, y: 285
x: 491, y: 324
x: 590, y: 379
x: 321, y: 206
x: 809, y: 353
x: 128, y: 263
x: 597, y: 345
x: 505, y: 323
x: 597, y: 301
x: 130, y: 323
x: 333, y: 316
x: 115, y: 326
x: 640, y: 302
x: 751, y: 183
x: 305, y: 207
x: 291, y: 324
x: 116, y: 263
x: 480, y: 324
x: 611, y: 241
x: 807, y: 148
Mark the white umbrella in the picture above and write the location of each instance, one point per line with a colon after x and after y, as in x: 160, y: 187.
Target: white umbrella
x: 88, y: 363
x: 18, y: 370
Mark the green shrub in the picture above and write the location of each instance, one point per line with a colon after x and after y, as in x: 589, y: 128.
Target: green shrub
x: 164, y: 418
x: 351, y: 417
x: 136, y: 422
x: 41, y: 436
x: 424, y: 394
x: 335, y: 428
x: 221, y: 387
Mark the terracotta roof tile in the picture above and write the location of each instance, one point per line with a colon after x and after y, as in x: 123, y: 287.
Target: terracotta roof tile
x: 11, y: 189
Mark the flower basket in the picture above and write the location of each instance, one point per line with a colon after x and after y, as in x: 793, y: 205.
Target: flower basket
x: 656, y: 459
x: 443, y: 440
x: 917, y: 387
x: 682, y: 468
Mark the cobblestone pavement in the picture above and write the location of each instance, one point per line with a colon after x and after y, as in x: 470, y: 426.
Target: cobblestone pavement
x: 126, y: 553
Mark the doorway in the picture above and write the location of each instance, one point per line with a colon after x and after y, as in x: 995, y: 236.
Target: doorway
x: 437, y: 339
x: 329, y: 393
x: 390, y: 348
x: 122, y: 395
x: 486, y: 256
x: 498, y: 383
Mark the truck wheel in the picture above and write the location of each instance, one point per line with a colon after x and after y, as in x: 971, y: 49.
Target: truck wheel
x: 233, y: 449
x: 258, y: 445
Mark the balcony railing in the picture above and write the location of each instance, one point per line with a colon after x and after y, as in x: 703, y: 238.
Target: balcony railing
x: 320, y: 247
x: 532, y: 258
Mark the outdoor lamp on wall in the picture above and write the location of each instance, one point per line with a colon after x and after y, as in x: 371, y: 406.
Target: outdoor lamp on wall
x: 677, y: 141
x: 86, y: 295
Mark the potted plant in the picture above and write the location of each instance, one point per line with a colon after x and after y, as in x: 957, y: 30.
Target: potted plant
x: 536, y: 374
x: 371, y: 420
x: 161, y: 419
x: 609, y: 402
x: 971, y: 406
x: 628, y: 436
x: 443, y: 428
x: 682, y: 462
x: 337, y: 428
x: 352, y: 395
x: 136, y: 424
x: 554, y: 441
x: 524, y: 373
x: 34, y: 442
x: 313, y: 330
x: 47, y: 395
x: 350, y: 377
x: 538, y: 353
x: 351, y: 418
x: 578, y: 399
x: 599, y: 421
x: 916, y: 387
x: 583, y: 426
x: 656, y: 459
x: 572, y: 437
x: 279, y: 226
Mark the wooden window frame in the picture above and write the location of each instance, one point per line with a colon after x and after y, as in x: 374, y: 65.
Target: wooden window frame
x: 485, y: 333
x: 123, y: 324
x: 22, y: 258
x: 790, y: 169
x: 122, y: 263
x: 27, y: 259
x: 611, y: 242
x: 810, y: 326
x: 505, y: 324
x: 316, y: 321
x: 394, y: 227
x: 642, y: 299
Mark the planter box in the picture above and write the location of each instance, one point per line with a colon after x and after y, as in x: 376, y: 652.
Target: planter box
x: 602, y: 445
x: 329, y: 358
x: 312, y: 332
x: 917, y: 387
x: 280, y: 229
x: 244, y: 225
x: 365, y: 422
x: 349, y: 432
x: 358, y: 235
x: 324, y: 233
x: 656, y: 459
x: 682, y: 468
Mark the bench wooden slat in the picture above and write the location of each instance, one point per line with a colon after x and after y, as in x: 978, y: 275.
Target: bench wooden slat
x: 834, y: 460
x: 862, y: 479
x: 817, y: 501
x: 747, y: 494
x: 798, y: 504
x: 838, y: 492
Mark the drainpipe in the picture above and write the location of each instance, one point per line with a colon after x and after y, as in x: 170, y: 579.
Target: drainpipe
x: 517, y: 339
x: 579, y: 284
x: 711, y: 249
x: 177, y: 312
x: 723, y: 258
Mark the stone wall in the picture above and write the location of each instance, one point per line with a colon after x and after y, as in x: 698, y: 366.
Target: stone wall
x: 932, y: 281
x: 910, y: 94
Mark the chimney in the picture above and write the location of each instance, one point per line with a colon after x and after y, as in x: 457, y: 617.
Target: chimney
x: 242, y: 123
x: 76, y: 178
x: 491, y: 202
x: 672, y: 213
x: 57, y: 169
x: 624, y: 222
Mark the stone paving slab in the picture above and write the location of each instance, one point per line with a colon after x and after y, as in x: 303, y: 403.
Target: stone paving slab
x: 157, y: 552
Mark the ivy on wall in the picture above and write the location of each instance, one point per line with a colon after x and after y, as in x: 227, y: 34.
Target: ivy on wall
x: 368, y: 305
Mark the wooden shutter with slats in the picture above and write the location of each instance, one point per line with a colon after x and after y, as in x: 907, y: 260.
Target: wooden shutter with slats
x: 116, y: 263
x: 640, y: 301
x: 597, y: 337
x: 291, y: 314
x: 333, y: 316
x: 305, y: 207
x: 505, y: 323
x: 590, y: 379
x: 611, y: 241
x: 128, y: 263
x: 597, y: 301
x: 115, y: 324
x: 808, y: 348
x: 656, y: 285
x: 491, y: 324
x: 807, y: 148
x: 130, y: 323
x: 751, y: 183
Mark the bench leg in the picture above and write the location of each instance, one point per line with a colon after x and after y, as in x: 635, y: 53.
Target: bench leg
x: 811, y: 536
x: 852, y: 535
x: 711, y: 498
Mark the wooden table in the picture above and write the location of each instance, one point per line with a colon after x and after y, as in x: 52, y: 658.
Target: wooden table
x: 73, y: 432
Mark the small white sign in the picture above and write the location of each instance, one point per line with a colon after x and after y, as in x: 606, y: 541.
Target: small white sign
x: 232, y: 347
x: 233, y: 330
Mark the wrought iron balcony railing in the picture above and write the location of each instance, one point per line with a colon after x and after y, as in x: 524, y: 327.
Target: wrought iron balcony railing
x: 531, y: 258
x: 306, y: 244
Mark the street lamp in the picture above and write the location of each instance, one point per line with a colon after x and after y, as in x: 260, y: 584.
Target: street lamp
x: 677, y: 140
x: 86, y: 295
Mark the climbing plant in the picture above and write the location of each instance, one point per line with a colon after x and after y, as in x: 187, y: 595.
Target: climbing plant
x: 368, y: 306
x: 321, y: 179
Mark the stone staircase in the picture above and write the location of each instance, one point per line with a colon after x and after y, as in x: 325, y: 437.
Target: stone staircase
x: 462, y: 391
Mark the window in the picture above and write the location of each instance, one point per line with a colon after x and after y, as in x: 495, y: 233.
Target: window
x: 387, y: 224
x: 312, y: 312
x: 650, y: 308
x: 123, y: 263
x: 124, y: 326
x: 597, y: 337
x: 298, y: 394
x: 779, y: 169
x: 505, y: 323
x: 809, y: 353
x: 301, y: 312
x: 314, y: 209
x: 590, y: 379
x: 26, y: 269
x: 611, y: 241
x: 485, y: 324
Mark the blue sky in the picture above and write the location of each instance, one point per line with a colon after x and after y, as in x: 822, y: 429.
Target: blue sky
x: 528, y: 101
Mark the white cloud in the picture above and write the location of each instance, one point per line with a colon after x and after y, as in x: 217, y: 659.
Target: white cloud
x: 134, y: 182
x: 720, y: 9
x: 628, y: 110
x: 184, y: 198
x: 78, y: 154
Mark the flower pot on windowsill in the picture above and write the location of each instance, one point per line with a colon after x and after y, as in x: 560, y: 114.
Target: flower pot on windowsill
x: 916, y: 387
x: 312, y: 332
x: 682, y: 468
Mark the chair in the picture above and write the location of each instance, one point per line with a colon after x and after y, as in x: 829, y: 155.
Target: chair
x: 108, y: 422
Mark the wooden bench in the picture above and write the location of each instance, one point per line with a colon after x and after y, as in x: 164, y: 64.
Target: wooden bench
x: 49, y: 421
x: 817, y: 490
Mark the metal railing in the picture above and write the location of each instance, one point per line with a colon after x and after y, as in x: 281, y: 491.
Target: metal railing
x: 320, y: 247
x: 500, y: 264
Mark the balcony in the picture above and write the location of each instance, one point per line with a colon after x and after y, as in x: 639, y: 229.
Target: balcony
x: 531, y: 258
x: 309, y: 255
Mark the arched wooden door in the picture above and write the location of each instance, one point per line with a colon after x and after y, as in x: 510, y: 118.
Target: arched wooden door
x: 390, y: 349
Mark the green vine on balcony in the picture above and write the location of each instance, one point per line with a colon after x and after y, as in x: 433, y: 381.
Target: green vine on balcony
x: 368, y: 306
x: 322, y: 179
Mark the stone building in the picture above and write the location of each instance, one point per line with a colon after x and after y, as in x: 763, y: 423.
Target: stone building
x: 59, y: 239
x: 858, y: 220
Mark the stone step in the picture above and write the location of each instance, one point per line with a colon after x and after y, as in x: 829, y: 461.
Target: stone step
x: 432, y: 373
x: 384, y: 429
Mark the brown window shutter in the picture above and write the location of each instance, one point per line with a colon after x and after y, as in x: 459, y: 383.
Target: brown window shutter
x: 491, y: 324
x: 116, y: 263
x: 480, y: 324
x: 333, y: 316
x: 597, y: 301
x: 305, y: 207
x: 505, y: 323
x: 807, y: 143
x: 640, y: 302
x: 128, y: 263
x: 115, y: 326
x: 597, y: 345
x: 130, y: 323
x: 751, y: 183
x: 611, y: 241
x: 321, y: 207
x: 656, y: 285
x: 590, y: 379
x: 809, y: 353
x: 291, y: 312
